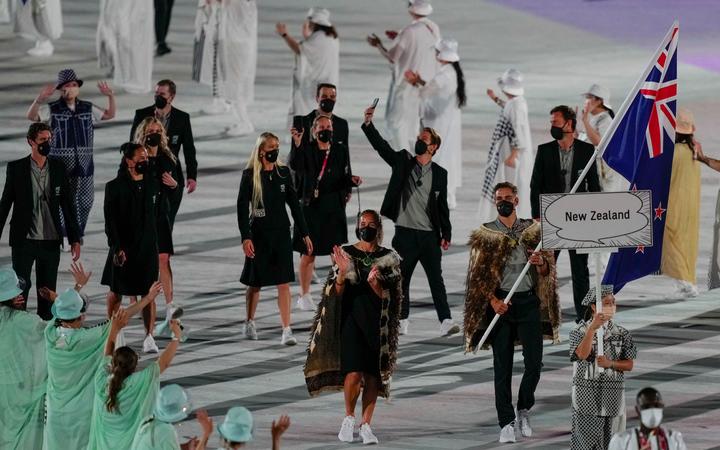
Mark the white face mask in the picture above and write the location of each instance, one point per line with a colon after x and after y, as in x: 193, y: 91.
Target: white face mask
x: 651, y: 417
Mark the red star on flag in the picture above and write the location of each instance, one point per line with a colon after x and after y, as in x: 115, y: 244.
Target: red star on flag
x: 659, y: 211
x: 640, y: 249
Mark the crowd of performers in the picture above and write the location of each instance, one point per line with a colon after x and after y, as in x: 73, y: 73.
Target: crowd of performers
x: 70, y: 386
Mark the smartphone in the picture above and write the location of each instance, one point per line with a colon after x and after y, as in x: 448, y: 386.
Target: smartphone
x: 375, y: 102
x: 298, y: 123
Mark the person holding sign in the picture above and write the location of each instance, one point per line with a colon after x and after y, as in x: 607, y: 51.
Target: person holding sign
x: 499, y: 252
x: 598, y: 386
x: 557, y: 166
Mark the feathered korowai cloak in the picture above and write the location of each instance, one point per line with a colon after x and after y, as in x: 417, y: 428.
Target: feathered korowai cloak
x: 322, y: 367
x: 489, y: 251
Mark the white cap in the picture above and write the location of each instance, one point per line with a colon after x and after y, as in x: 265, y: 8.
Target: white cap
x: 448, y: 50
x: 320, y: 16
x: 420, y: 7
x: 600, y: 92
x: 511, y: 82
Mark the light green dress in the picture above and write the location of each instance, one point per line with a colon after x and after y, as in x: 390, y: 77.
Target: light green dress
x: 154, y: 434
x: 23, y: 377
x: 73, y: 356
x: 136, y: 400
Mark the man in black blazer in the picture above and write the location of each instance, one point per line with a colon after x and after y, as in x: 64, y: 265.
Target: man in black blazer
x: 557, y: 166
x: 416, y: 200
x: 36, y: 188
x: 179, y: 133
x: 326, y: 96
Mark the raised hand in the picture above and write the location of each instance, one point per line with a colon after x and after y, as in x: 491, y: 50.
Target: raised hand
x: 281, y: 28
x: 79, y: 275
x: 45, y: 93
x: 369, y: 113
x: 373, y: 40
x: 105, y: 89
x: 280, y: 426
x: 297, y: 136
x: 341, y: 261
x: 490, y: 93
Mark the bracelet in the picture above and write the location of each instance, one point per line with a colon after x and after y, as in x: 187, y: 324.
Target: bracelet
x: 175, y: 338
x: 612, y: 365
x: 284, y: 35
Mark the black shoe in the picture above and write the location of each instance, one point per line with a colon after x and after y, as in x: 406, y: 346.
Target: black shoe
x: 162, y: 49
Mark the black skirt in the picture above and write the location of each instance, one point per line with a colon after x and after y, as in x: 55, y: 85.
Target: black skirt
x: 134, y: 277
x: 273, y: 261
x: 326, y: 222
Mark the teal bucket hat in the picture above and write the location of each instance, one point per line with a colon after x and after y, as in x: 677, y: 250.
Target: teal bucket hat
x: 9, y: 284
x: 68, y: 305
x: 172, y: 404
x: 238, y: 425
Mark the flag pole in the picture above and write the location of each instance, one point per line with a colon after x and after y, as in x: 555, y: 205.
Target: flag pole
x: 599, y: 150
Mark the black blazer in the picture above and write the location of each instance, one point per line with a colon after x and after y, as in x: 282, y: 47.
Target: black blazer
x: 402, y: 163
x: 179, y: 134
x: 546, y: 178
x: 18, y: 195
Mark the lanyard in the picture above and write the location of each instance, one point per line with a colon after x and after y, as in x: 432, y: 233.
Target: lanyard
x: 316, y: 191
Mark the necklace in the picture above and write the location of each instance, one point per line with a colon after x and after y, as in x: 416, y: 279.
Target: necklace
x: 367, y: 260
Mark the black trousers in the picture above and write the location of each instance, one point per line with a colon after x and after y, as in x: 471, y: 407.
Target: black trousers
x: 46, y: 257
x: 163, y: 11
x: 522, y: 320
x: 421, y: 246
x: 580, y: 280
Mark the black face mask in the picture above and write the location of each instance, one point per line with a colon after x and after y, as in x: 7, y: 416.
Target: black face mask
x: 505, y: 208
x: 324, y: 136
x: 141, y: 167
x: 557, y: 133
x: 44, y: 148
x: 272, y: 155
x: 367, y: 234
x: 420, y: 147
x: 327, y: 105
x: 153, y: 139
x: 160, y: 102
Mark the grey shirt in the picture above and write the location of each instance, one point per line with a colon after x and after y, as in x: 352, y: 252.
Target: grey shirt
x: 413, y: 208
x: 515, y: 262
x: 566, y: 163
x: 42, y: 227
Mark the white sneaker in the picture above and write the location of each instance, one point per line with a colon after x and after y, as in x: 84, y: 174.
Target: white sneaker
x: 249, y: 330
x: 287, y: 337
x: 218, y: 106
x: 525, y: 429
x: 404, y: 323
x: 347, y: 429
x: 449, y: 327
x: 306, y: 303
x: 367, y: 435
x: 42, y: 48
x: 149, y: 345
x: 170, y: 309
x: 507, y: 434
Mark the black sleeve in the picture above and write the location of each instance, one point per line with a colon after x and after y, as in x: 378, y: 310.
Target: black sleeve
x: 296, y: 211
x: 593, y: 179
x: 536, y: 184
x: 444, y: 212
x: 386, y: 152
x: 298, y: 157
x: 347, y: 171
x: 243, y: 205
x: 188, y: 145
x: 109, y: 210
x: 66, y: 204
x: 8, y: 197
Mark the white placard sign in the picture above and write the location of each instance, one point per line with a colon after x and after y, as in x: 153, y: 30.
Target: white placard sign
x: 596, y: 220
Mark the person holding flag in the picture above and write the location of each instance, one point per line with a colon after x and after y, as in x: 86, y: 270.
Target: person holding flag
x: 640, y: 146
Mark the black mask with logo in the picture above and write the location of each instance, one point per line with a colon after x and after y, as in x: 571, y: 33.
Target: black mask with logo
x: 160, y: 102
x: 367, y: 234
x: 272, y: 155
x: 327, y: 105
x: 141, y: 167
x: 153, y: 139
x: 44, y: 148
x: 324, y: 136
x: 505, y: 208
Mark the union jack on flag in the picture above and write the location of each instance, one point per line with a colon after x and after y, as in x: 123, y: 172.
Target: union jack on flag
x: 639, y: 146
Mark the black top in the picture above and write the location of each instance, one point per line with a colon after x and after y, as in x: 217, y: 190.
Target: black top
x: 18, y: 195
x: 278, y: 191
x: 307, y: 161
x: 179, y: 133
x: 546, y: 176
x: 402, y: 163
x: 158, y: 166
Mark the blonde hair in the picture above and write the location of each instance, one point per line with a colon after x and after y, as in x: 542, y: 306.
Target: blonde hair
x: 141, y: 132
x: 255, y: 164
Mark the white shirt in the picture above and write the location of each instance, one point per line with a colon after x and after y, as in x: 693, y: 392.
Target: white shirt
x: 414, y: 49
